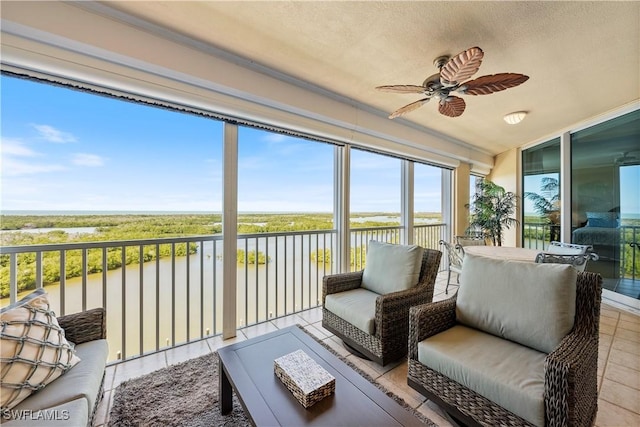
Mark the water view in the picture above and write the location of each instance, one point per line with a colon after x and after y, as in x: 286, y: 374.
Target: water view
x: 176, y: 295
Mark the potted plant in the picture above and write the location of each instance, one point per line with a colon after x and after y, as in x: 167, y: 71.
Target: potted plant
x: 492, y: 209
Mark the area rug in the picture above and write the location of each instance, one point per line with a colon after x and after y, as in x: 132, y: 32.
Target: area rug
x: 186, y: 394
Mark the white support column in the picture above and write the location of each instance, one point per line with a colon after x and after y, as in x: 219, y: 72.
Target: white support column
x: 565, y: 187
x: 229, y: 229
x: 446, y: 192
x: 341, y: 184
x: 407, y: 191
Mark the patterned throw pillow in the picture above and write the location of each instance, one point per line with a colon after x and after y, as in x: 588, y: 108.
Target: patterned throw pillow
x: 33, y: 349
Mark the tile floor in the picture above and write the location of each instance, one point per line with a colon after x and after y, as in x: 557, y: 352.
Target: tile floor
x: 618, y: 364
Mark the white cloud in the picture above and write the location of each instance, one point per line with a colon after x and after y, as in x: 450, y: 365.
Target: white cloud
x: 275, y: 137
x: 85, y: 159
x: 13, y: 150
x: 15, y: 147
x: 51, y: 134
x: 13, y: 167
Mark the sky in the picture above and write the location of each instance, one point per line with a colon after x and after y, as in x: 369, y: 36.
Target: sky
x: 64, y: 149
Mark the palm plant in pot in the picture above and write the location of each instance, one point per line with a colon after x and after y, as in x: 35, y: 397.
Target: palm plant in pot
x: 492, y: 210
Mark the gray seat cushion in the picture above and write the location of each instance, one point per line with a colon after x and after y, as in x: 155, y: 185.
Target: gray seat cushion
x: 504, y: 372
x: 82, y: 381
x: 531, y: 304
x: 69, y: 414
x: 357, y: 306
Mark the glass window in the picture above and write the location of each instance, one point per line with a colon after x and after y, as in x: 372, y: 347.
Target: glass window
x: 427, y: 204
x: 285, y: 185
x: 79, y: 167
x: 605, y: 178
x: 375, y: 202
x: 541, y: 186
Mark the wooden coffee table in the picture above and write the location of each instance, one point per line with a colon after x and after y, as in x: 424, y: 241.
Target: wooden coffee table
x: 247, y: 367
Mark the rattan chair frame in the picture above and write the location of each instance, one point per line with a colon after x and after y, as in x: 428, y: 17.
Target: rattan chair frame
x: 455, y: 255
x: 83, y: 327
x: 561, y: 248
x: 389, y: 341
x: 570, y: 390
x: 579, y: 262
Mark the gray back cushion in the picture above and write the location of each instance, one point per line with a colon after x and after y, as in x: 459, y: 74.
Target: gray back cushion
x: 531, y: 304
x: 391, y: 268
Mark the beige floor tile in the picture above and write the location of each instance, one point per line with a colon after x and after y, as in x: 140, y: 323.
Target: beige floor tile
x: 291, y: 320
x: 628, y: 360
x: 409, y: 395
x: 610, y: 415
x: 628, y: 317
x: 628, y: 335
x: 436, y: 414
x: 312, y: 316
x: 608, y: 321
x: 217, y: 342
x: 138, y: 367
x: 621, y: 395
x: 109, y: 373
x: 626, y: 345
x: 623, y: 375
x: 395, y: 380
x: 602, y: 363
x: 187, y: 351
x: 259, y: 329
x: 605, y: 339
x: 318, y: 331
x: 336, y: 344
x: 102, y: 413
x: 607, y: 329
x: 607, y: 311
x: 629, y: 326
x: 360, y: 363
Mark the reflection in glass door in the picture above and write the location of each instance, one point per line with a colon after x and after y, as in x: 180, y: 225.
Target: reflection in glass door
x: 541, y: 185
x: 605, y: 208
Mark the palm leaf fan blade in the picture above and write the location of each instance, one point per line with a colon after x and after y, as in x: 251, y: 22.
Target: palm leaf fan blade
x: 462, y: 66
x: 408, y: 108
x: 452, y: 106
x: 401, y: 88
x: 493, y: 83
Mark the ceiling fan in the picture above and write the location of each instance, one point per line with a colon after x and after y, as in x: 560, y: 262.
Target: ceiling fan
x: 451, y: 78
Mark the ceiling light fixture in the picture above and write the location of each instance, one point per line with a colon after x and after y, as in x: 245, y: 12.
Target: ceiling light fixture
x: 515, y: 118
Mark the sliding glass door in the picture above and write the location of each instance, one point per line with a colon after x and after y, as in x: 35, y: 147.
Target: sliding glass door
x: 605, y: 209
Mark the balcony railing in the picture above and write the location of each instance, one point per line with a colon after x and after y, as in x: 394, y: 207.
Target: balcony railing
x: 160, y: 293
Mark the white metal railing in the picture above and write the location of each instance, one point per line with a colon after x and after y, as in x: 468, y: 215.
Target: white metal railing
x: 160, y: 293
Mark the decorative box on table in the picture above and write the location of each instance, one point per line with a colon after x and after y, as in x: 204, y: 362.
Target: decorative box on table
x: 308, y: 381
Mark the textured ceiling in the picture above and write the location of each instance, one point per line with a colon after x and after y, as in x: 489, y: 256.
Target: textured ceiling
x: 583, y: 58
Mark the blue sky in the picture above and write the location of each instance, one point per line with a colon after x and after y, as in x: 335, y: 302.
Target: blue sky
x: 69, y: 150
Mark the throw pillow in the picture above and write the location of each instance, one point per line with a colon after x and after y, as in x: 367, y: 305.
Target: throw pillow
x: 391, y: 268
x: 34, y: 351
x: 602, y: 219
x: 529, y: 303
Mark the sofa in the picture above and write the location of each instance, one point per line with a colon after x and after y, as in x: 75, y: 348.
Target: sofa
x: 71, y: 399
x: 516, y: 346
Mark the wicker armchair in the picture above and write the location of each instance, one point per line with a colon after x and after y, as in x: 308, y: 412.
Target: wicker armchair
x: 570, y: 371
x: 389, y: 341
